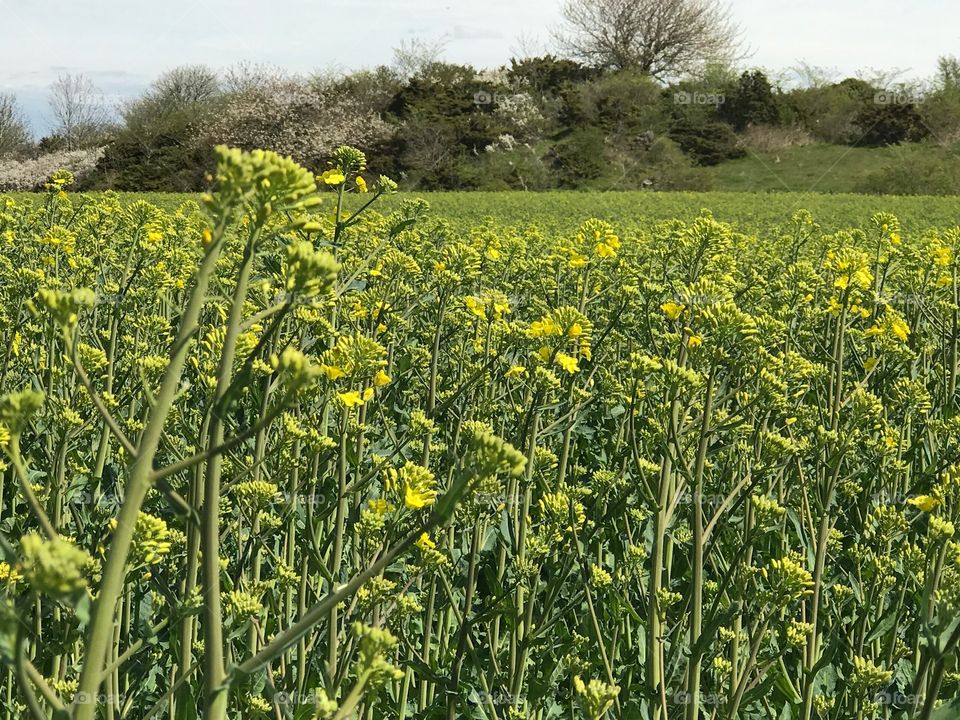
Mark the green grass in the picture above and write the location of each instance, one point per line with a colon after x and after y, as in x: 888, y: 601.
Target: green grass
x: 814, y: 168
x: 758, y: 212
x: 750, y: 212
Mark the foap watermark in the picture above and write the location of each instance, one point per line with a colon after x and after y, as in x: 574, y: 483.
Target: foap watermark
x: 696, y: 299
x: 903, y: 299
x: 489, y: 98
x: 296, y: 699
x: 297, y: 98
x: 309, y: 698
x: 698, y: 97
x: 683, y: 697
x: 497, y: 697
x: 896, y: 96
x: 896, y: 699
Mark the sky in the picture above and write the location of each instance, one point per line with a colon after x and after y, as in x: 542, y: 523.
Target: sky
x: 122, y: 45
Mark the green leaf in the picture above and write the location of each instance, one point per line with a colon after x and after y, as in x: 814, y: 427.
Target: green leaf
x: 949, y: 711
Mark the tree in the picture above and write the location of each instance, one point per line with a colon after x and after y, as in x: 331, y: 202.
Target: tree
x: 752, y: 102
x: 412, y: 56
x: 304, y: 118
x: 14, y: 133
x: 77, y: 110
x: 156, y: 147
x: 948, y: 73
x: 661, y: 38
x: 186, y: 86
x: 547, y: 74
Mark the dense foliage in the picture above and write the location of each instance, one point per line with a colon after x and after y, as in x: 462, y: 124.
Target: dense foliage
x: 276, y: 455
x: 539, y: 123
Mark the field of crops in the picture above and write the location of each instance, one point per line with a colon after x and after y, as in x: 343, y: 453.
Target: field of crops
x: 564, y: 212
x: 284, y: 452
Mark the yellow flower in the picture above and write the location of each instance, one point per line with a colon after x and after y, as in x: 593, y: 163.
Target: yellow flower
x: 419, y: 486
x: 900, y: 328
x: 515, y: 371
x: 577, y: 261
x: 575, y: 331
x: 694, y: 341
x: 543, y: 328
x: 475, y: 305
x: 379, y: 506
x: 605, y: 251
x: 567, y: 362
x: 942, y: 256
x: 381, y: 378
x: 353, y: 398
x: 926, y: 503
x: 672, y: 310
x: 425, y: 543
x: 333, y: 177
x: 332, y: 372
x: 361, y: 184
x: 9, y: 573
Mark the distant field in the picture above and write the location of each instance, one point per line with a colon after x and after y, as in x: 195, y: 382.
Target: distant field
x: 750, y: 212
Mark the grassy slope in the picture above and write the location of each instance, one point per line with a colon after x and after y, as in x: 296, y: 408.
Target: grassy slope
x: 817, y: 168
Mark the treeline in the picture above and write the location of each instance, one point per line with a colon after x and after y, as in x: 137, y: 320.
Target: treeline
x: 537, y: 123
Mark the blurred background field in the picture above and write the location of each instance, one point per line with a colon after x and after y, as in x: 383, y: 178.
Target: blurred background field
x: 759, y: 212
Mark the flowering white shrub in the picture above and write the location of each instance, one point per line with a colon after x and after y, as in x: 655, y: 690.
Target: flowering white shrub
x: 31, y: 174
x: 521, y: 112
x: 292, y: 117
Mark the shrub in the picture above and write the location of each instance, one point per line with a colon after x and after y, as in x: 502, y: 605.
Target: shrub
x: 621, y: 104
x: 768, y: 138
x: 830, y: 112
x: 940, y: 112
x: 924, y: 173
x: 579, y: 157
x: 304, y: 119
x: 889, y: 124
x: 752, y: 102
x: 708, y: 142
x: 32, y: 173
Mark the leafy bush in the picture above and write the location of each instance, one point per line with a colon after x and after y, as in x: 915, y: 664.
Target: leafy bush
x: 708, y: 142
x: 579, y: 157
x: 621, y: 104
x: 752, y: 102
x: 830, y: 112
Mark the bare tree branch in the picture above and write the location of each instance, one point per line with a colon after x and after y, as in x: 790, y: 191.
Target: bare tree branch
x: 78, y: 110
x: 662, y: 38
